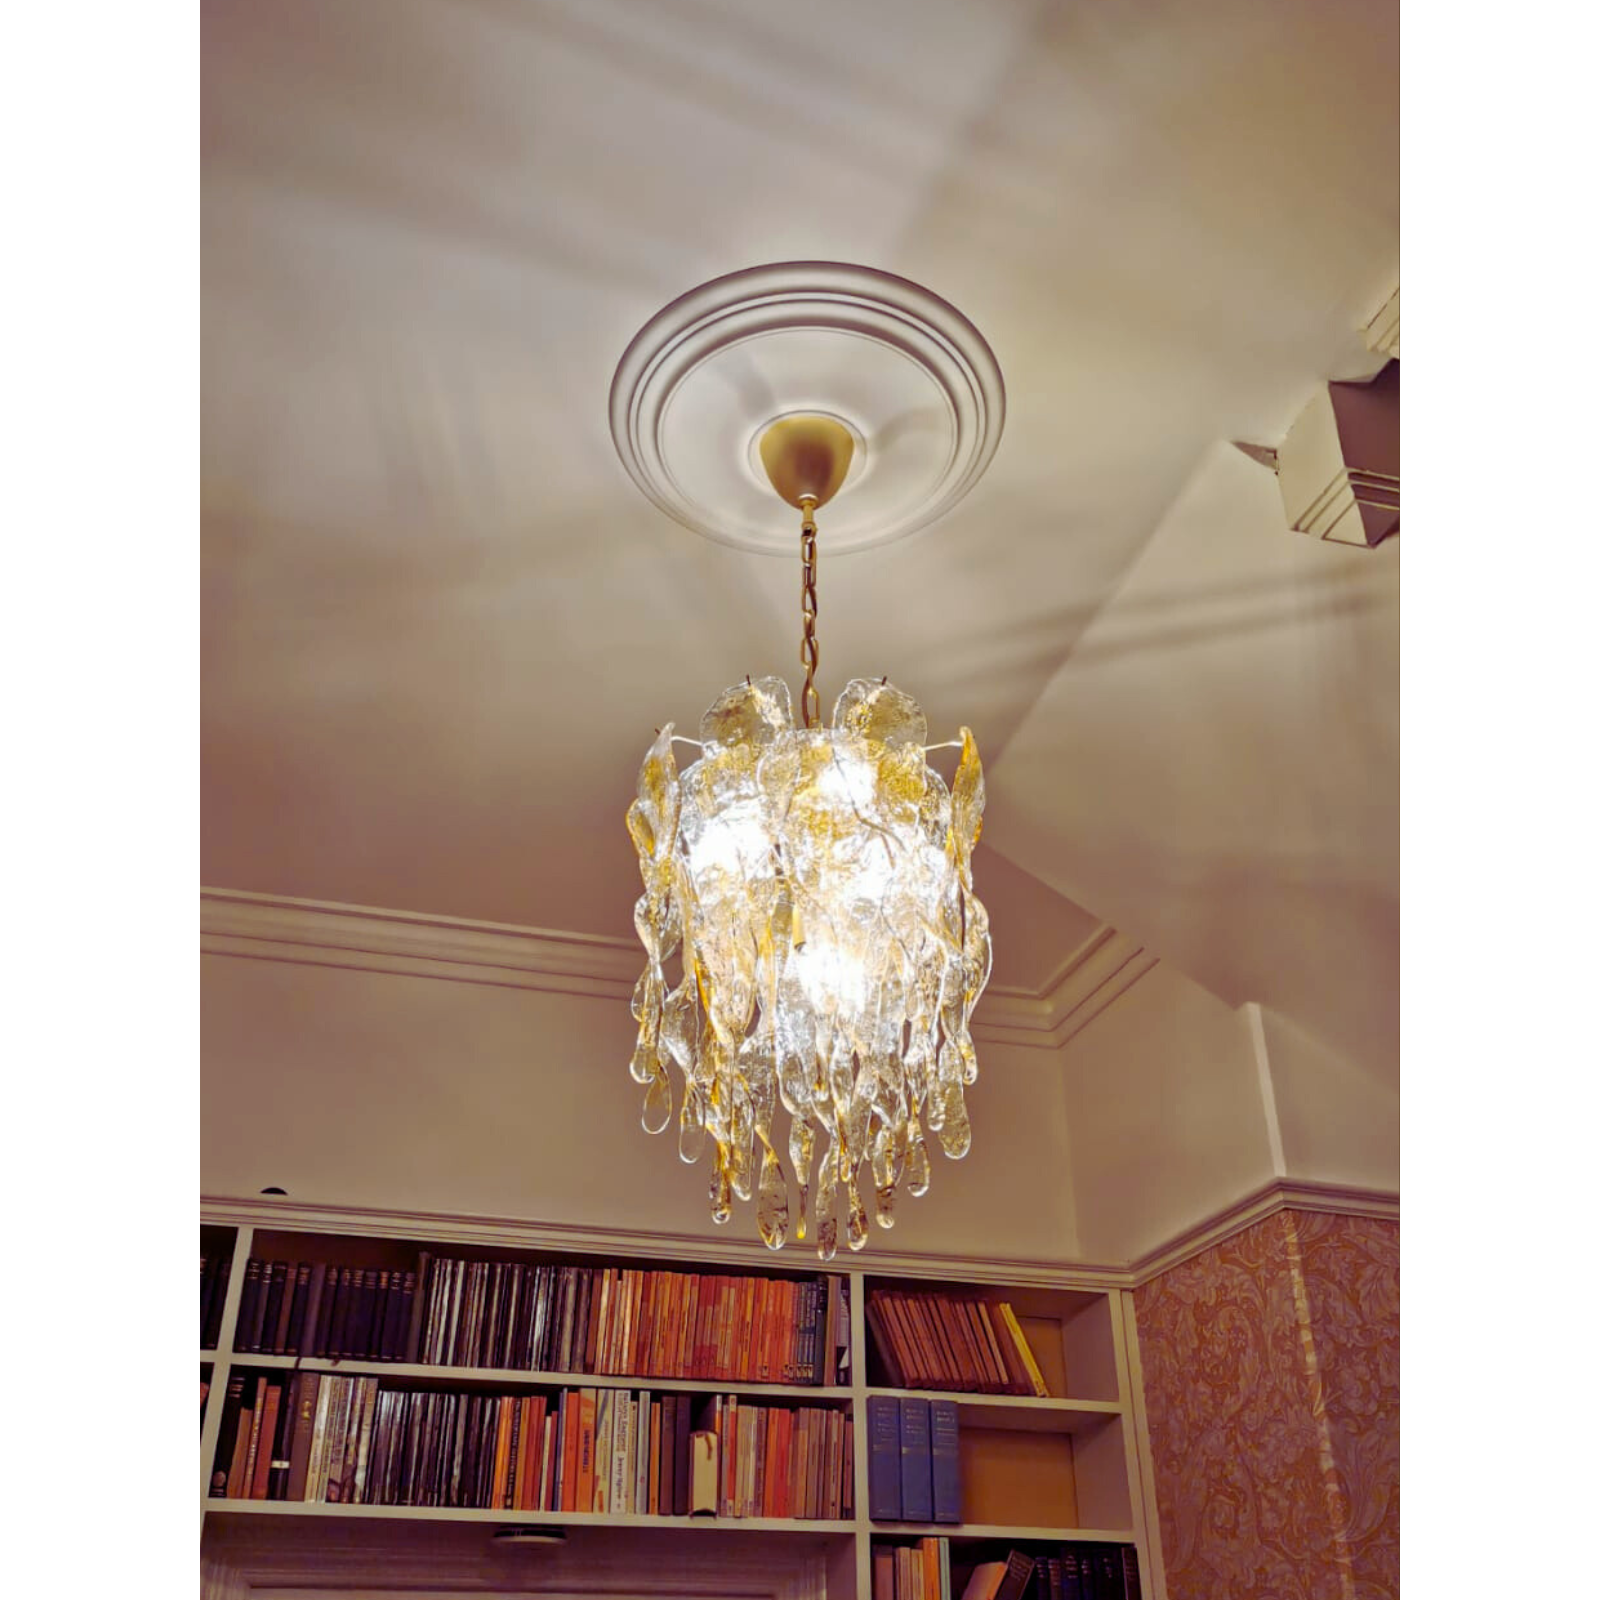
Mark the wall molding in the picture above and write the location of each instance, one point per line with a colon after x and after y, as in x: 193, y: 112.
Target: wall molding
x: 1283, y: 1194
x: 510, y: 1233
x: 291, y: 1215
x: 262, y: 927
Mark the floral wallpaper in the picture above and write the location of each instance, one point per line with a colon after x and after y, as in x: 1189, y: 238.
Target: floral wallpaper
x: 1272, y: 1377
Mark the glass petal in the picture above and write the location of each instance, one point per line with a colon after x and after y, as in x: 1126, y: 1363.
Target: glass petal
x: 657, y: 1104
x: 748, y: 713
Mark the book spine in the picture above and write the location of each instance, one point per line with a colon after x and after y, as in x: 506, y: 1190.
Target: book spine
x: 944, y: 1434
x: 227, y: 1434
x: 586, y: 1420
x: 218, y: 1302
x: 249, y: 1414
x: 249, y: 1303
x: 605, y: 1414
x: 883, y: 1458
x: 305, y: 1421
x: 266, y: 1392
x: 283, y: 1438
x: 310, y: 1324
x: 680, y: 1460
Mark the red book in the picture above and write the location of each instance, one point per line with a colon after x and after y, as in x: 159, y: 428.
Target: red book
x: 568, y: 1484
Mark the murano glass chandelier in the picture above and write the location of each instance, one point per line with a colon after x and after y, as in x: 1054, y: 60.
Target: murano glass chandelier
x: 814, y: 946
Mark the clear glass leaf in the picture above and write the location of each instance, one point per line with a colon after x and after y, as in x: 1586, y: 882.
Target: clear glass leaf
x: 857, y: 1216
x: 772, y: 1206
x: 917, y: 1174
x: 885, y: 1207
x: 868, y: 710
x: 721, y: 1194
x: 657, y: 1111
x: 692, y: 1126
x: 749, y: 714
x: 955, y: 1136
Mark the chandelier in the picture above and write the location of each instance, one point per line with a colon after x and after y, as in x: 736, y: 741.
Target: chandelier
x: 814, y: 946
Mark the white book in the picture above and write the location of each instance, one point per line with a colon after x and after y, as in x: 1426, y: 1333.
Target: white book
x: 368, y: 1400
x: 604, y: 1418
x: 317, y: 1462
x: 641, y: 1453
x: 621, y: 1456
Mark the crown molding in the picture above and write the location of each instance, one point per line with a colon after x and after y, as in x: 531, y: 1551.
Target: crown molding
x: 1283, y: 1194
x: 262, y: 927
x: 1383, y: 331
x: 732, y: 1251
x: 1102, y: 969
x: 261, y: 1211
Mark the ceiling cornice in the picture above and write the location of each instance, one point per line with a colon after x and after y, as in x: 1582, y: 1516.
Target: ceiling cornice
x: 263, y: 927
x: 464, y: 1232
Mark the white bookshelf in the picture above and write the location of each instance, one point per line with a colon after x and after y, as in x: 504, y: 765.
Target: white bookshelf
x: 1070, y: 1468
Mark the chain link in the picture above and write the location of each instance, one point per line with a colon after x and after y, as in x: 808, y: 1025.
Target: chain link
x: 808, y: 610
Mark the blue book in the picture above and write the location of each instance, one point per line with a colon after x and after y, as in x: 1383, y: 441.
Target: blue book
x: 916, y: 1462
x: 883, y: 1458
x: 944, y: 1427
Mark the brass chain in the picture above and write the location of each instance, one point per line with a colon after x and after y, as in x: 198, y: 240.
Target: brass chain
x: 808, y: 609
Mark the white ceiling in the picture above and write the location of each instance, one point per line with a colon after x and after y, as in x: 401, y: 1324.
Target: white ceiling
x: 440, y: 623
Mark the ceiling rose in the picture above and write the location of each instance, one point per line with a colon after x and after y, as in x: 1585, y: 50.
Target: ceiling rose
x: 904, y: 373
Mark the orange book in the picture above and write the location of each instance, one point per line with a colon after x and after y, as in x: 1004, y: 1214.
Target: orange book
x: 990, y: 1379
x: 261, y: 1447
x: 691, y: 1321
x: 761, y: 1333
x: 584, y: 1498
x: 672, y: 1325
x: 602, y: 1316
x: 242, y: 1479
x: 655, y: 1291
x: 530, y: 1432
x: 912, y: 1359
x: 638, y: 1340
x: 1017, y: 1381
x: 747, y: 1329
x: 705, y: 1324
x: 987, y: 1323
x: 772, y: 1471
x: 502, y: 1450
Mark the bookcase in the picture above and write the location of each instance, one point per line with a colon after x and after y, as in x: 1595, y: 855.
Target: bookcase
x: 1036, y: 1473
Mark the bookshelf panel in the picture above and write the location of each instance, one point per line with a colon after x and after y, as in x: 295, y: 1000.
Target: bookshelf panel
x: 1011, y: 1479
x: 1068, y: 1359
x: 1101, y: 1468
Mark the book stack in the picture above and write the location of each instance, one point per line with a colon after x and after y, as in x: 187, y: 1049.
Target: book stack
x: 326, y: 1438
x: 913, y: 1459
x: 312, y: 1308
x: 919, y: 1571
x: 214, y: 1271
x: 924, y: 1571
x: 952, y: 1342
x: 623, y: 1322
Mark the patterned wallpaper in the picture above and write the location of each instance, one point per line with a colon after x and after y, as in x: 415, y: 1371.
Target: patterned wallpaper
x: 1272, y: 1382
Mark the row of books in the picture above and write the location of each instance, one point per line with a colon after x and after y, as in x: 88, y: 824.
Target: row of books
x: 924, y: 1571
x: 214, y: 1270
x: 325, y: 1438
x: 913, y: 1459
x: 612, y: 1320
x: 952, y: 1341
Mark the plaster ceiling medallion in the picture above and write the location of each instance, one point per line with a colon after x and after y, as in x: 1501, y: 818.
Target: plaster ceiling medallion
x: 907, y: 376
